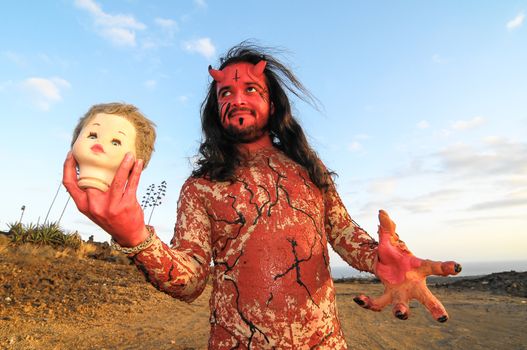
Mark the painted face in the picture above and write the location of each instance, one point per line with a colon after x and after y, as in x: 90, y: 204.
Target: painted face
x: 243, y: 99
x: 104, y: 141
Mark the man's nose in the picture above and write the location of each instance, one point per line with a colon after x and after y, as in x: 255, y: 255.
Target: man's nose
x: 238, y: 99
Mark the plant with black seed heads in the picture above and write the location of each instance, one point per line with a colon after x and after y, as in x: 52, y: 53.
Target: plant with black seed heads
x: 153, y: 197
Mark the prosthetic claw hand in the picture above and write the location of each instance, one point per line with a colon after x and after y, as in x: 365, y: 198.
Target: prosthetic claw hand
x: 404, y: 275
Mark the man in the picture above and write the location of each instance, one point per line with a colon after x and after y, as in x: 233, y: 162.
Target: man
x: 262, y: 207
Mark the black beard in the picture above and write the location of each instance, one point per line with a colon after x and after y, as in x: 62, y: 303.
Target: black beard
x: 246, y: 135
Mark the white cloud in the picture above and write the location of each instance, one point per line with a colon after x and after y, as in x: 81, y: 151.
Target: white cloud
x: 468, y: 124
x: 183, y: 98
x: 119, y: 36
x: 119, y: 29
x: 203, y: 46
x: 423, y: 124
x: 436, y: 58
x: 200, y: 3
x: 44, y: 92
x: 4, y: 85
x: 150, y: 84
x: 16, y: 58
x: 383, y: 187
x: 500, y: 157
x: 166, y: 23
x: 355, y: 146
x: 361, y: 136
x: 516, y: 22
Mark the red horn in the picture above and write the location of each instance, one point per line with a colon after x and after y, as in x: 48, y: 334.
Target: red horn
x: 259, y: 68
x: 217, y: 75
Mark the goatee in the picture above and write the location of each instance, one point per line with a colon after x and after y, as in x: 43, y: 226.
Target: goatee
x: 246, y: 135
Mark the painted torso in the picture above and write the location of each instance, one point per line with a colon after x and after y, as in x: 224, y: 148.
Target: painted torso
x: 266, y: 233
x: 271, y: 282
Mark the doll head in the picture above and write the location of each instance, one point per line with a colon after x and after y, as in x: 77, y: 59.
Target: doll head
x: 145, y: 128
x: 102, y: 138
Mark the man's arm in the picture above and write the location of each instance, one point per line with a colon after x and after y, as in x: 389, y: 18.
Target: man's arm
x: 181, y: 270
x: 346, y: 237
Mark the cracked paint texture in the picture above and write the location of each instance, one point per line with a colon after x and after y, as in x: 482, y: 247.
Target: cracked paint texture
x: 266, y: 234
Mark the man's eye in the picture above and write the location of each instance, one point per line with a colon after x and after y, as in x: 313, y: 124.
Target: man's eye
x: 225, y: 93
x: 251, y: 89
x: 92, y: 136
x: 116, y: 142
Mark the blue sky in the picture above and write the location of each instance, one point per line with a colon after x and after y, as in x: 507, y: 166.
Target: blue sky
x: 423, y: 111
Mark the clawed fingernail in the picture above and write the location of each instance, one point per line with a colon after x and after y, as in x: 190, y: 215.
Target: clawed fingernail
x: 443, y: 318
x: 400, y: 315
x: 359, y: 301
x: 457, y: 268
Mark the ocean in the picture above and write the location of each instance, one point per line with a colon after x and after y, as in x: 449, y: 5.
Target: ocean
x: 469, y: 268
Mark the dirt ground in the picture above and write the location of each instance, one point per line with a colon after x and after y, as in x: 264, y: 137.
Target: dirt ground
x: 58, y: 300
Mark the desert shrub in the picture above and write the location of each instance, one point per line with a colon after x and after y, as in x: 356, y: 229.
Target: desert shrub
x: 46, y: 234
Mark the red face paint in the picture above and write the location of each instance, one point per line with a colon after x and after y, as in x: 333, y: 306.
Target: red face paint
x: 243, y: 99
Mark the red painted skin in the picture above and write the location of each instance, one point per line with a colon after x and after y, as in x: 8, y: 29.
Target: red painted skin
x: 267, y: 234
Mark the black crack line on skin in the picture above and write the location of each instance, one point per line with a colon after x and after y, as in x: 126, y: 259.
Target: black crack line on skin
x: 259, y: 209
x: 277, y: 185
x: 239, y: 221
x: 154, y: 281
x: 252, y: 327
x: 264, y: 95
x: 304, y: 179
x: 296, y: 266
x: 225, y: 113
x: 269, y: 300
x: 369, y: 242
x: 321, y: 341
x: 226, y: 263
x: 317, y: 229
x: 226, y: 331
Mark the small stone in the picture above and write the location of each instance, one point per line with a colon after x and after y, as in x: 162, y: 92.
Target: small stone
x: 8, y: 299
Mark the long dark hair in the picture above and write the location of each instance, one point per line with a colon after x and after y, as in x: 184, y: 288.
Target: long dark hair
x: 219, y: 154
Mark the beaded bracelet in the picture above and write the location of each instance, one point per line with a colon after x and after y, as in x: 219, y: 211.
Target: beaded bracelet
x: 143, y: 245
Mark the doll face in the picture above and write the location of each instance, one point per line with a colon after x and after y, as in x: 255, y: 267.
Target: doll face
x: 105, y: 140
x: 243, y: 101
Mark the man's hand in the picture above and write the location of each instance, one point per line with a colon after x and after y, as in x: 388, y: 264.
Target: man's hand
x: 116, y: 211
x: 404, y: 275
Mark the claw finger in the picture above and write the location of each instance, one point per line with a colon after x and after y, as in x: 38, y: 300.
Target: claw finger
x: 434, y: 306
x: 385, y: 221
x: 400, y: 309
x: 373, y: 304
x: 440, y: 268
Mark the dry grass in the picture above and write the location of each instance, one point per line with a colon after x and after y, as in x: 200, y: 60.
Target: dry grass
x: 4, y: 242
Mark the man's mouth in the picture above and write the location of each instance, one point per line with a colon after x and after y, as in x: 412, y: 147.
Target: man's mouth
x: 97, y: 148
x: 237, y: 112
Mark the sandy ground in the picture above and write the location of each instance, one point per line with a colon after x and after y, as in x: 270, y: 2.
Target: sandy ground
x: 54, y: 300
